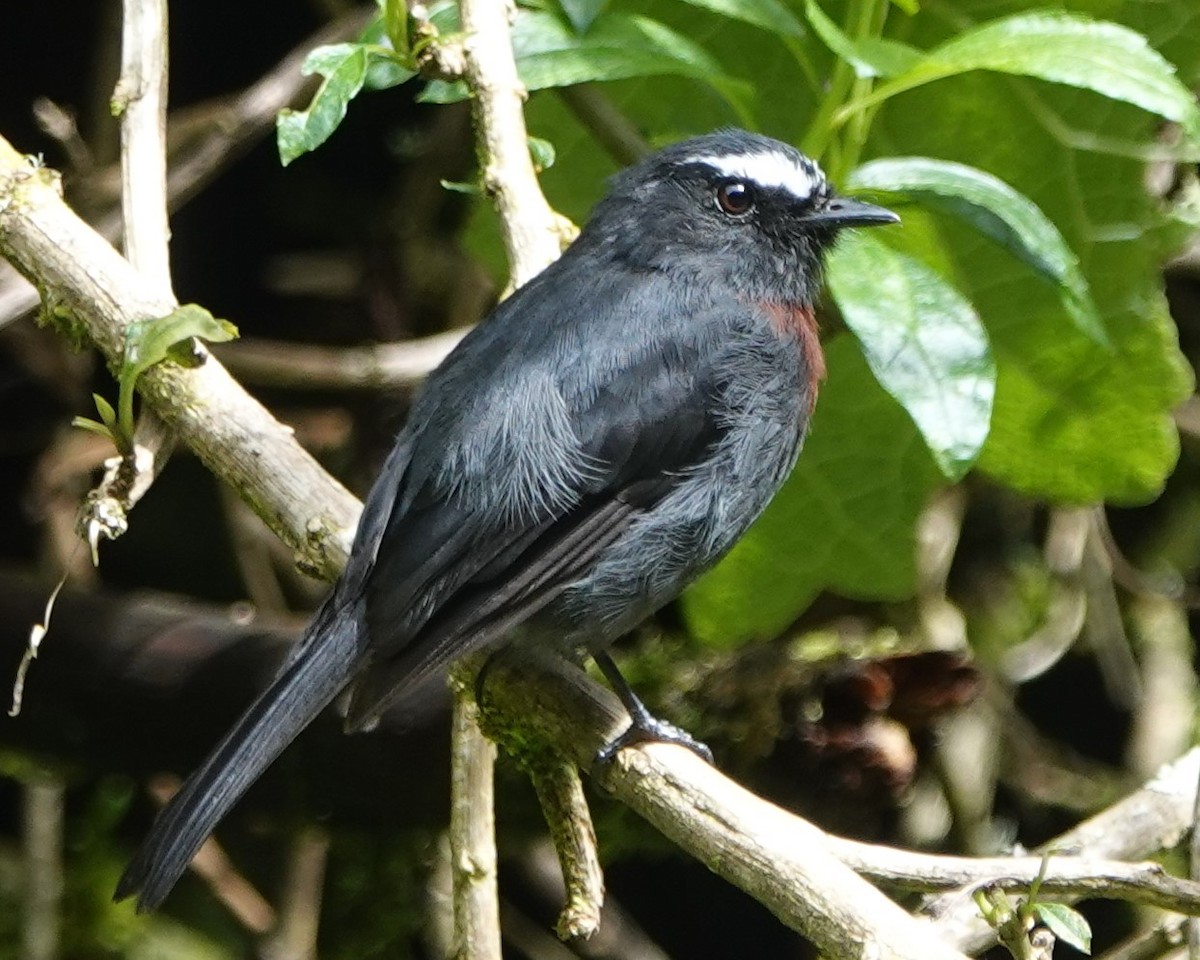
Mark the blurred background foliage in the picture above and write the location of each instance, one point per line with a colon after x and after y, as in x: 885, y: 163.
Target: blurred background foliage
x: 965, y: 622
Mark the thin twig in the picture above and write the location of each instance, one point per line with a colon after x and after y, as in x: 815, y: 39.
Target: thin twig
x: 610, y: 127
x: 1066, y: 540
x: 472, y: 832
x: 43, y: 841
x: 1152, y: 819
x: 1162, y: 723
x: 533, y: 234
x: 385, y: 366
x: 560, y: 795
x: 619, y: 935
x: 1066, y: 876
x: 295, y: 934
x: 1193, y: 925
x: 140, y: 100
x: 1162, y: 939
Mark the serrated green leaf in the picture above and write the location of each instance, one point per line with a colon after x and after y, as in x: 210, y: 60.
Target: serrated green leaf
x: 768, y: 14
x: 844, y: 521
x: 344, y: 68
x: 1063, y: 48
x: 617, y: 46
x: 998, y: 211
x: 1066, y: 923
x: 870, y: 56
x: 923, y: 341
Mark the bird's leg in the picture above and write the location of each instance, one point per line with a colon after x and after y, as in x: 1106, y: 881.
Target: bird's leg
x: 644, y: 726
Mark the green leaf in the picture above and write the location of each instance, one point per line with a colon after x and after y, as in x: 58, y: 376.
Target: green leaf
x: 148, y: 342
x: 870, y: 56
x: 107, y: 414
x: 1064, y: 48
x: 996, y: 210
x: 1066, y: 923
x: 1073, y: 421
x: 923, y: 341
x: 768, y: 14
x: 458, y: 186
x: 346, y: 68
x: 617, y: 46
x: 94, y: 426
x: 844, y: 521
x: 395, y: 21
x: 385, y: 70
x: 543, y: 153
x: 444, y: 91
x: 582, y: 13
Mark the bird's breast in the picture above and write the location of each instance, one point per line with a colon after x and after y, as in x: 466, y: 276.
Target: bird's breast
x: 798, y: 322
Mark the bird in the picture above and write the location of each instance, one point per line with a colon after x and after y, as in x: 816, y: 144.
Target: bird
x: 599, y: 440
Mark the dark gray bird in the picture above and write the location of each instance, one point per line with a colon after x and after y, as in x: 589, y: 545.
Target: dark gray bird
x: 601, y: 439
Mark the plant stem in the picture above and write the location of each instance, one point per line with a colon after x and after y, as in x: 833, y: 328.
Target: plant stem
x: 859, y: 125
x: 864, y: 18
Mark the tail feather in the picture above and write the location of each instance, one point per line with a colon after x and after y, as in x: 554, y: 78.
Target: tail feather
x: 325, y: 662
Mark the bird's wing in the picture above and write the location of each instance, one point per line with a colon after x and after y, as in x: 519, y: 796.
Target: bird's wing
x: 453, y: 575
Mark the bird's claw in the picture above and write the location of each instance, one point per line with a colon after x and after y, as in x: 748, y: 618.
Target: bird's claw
x: 653, y: 730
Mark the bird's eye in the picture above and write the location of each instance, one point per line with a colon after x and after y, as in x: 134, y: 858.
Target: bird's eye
x: 735, y: 197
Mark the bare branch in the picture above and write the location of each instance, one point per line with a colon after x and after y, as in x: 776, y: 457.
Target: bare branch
x: 304, y: 367
x: 560, y: 795
x: 43, y: 840
x: 533, y: 233
x: 140, y: 99
x: 1154, y: 818
x: 1066, y: 876
x: 472, y: 833
x: 295, y: 935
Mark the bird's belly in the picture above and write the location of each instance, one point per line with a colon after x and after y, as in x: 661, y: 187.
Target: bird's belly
x: 667, y: 548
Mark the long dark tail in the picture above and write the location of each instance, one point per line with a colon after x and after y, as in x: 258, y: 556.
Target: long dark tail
x: 323, y: 664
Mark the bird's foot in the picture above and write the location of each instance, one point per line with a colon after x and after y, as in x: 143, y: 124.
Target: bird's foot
x: 649, y: 729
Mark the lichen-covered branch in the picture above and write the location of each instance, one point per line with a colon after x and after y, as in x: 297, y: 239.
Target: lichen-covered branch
x: 533, y: 233
x: 93, y: 294
x: 779, y: 859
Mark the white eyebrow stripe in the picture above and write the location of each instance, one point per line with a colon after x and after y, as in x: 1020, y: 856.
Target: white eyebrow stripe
x: 771, y: 169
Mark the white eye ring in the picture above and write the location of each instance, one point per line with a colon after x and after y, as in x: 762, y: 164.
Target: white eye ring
x: 735, y: 197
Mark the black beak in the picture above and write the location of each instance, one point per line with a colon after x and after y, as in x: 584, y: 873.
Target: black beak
x: 844, y: 212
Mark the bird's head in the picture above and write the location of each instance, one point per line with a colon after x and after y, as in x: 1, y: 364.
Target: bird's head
x: 734, y: 207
